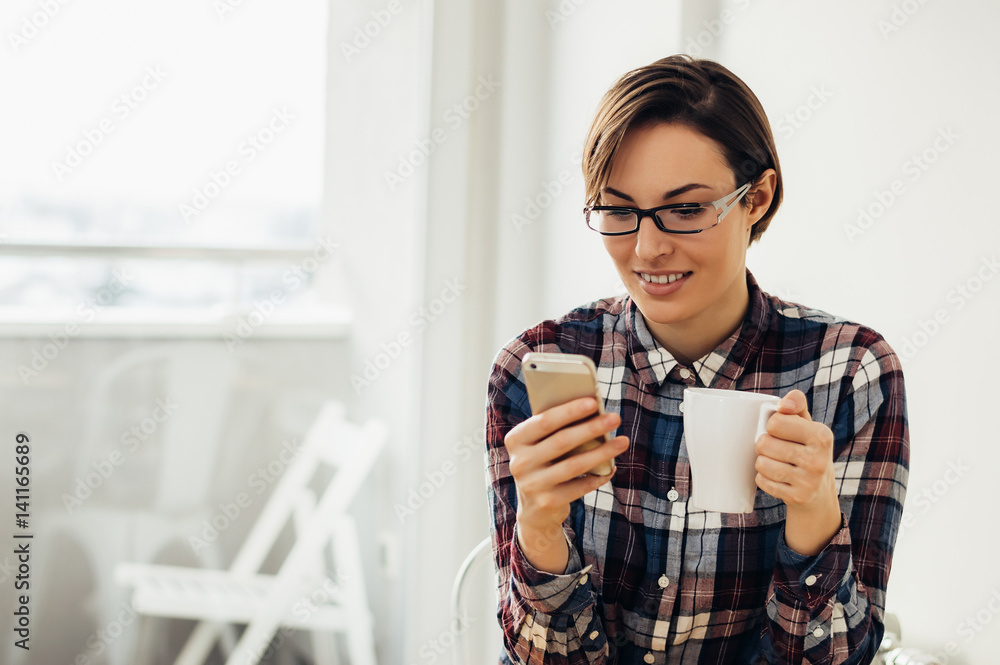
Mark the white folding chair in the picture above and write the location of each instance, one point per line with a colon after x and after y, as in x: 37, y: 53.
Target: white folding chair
x: 300, y: 595
x: 473, y: 608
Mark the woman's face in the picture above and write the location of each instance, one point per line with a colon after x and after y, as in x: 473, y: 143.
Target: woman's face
x: 671, y: 163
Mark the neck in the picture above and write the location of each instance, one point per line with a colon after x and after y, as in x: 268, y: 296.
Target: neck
x: 693, y: 338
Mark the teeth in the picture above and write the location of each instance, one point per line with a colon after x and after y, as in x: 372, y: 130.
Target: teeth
x: 662, y: 279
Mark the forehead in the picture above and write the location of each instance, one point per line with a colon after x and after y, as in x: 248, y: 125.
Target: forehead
x: 662, y: 156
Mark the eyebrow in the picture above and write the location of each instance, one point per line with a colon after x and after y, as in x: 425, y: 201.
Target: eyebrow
x: 669, y: 195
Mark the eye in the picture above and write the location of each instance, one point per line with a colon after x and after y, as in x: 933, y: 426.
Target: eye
x: 689, y: 213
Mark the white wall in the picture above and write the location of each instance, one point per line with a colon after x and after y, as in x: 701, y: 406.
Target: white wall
x: 862, y: 105
x: 889, y: 98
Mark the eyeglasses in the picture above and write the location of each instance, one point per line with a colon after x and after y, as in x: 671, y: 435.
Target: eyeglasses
x: 672, y: 218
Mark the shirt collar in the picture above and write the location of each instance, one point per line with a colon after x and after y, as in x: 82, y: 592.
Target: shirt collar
x: 720, y: 367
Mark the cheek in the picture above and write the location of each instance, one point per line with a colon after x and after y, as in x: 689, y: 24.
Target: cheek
x: 619, y: 249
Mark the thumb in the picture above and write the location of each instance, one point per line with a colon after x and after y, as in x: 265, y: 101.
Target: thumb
x: 795, y: 403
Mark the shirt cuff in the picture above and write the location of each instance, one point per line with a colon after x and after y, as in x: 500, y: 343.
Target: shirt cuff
x: 570, y: 592
x: 812, y: 580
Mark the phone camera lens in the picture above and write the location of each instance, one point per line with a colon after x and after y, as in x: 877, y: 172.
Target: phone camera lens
x: 534, y: 366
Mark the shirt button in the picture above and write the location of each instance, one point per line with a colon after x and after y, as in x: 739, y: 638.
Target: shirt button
x: 583, y: 579
x: 818, y: 632
x: 685, y: 373
x: 810, y: 580
x: 664, y: 581
x: 649, y: 658
x: 672, y: 495
x: 594, y: 635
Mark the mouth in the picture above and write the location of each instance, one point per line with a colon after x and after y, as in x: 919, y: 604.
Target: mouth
x: 666, y: 278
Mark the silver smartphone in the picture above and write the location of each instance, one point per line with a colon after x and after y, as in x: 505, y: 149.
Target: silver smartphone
x: 557, y: 378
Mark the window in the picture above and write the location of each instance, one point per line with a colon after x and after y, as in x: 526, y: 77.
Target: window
x: 162, y: 155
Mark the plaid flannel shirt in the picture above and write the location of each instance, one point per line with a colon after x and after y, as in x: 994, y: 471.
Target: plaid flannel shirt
x: 651, y: 579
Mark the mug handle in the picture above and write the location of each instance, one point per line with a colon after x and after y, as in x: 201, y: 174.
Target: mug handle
x: 767, y: 409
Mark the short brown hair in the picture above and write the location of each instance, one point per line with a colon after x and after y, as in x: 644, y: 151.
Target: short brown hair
x: 701, y: 94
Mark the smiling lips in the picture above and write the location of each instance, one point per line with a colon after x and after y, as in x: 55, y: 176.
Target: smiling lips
x: 663, y: 279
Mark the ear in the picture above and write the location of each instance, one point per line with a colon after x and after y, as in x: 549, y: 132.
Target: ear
x: 761, y: 195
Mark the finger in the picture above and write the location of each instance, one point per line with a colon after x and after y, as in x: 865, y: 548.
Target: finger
x: 540, y: 480
x: 541, y: 425
x: 567, y: 469
x: 527, y: 457
x: 571, y: 490
x: 569, y: 438
x: 775, y: 489
x: 782, y: 450
x: 776, y: 471
x: 814, y: 438
x: 795, y: 403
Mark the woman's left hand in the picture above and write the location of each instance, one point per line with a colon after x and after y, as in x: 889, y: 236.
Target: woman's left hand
x: 795, y: 464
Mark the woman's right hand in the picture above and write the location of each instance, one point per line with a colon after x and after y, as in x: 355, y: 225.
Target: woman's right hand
x: 546, y: 487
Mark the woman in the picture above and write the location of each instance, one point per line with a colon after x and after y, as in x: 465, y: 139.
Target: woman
x: 620, y: 568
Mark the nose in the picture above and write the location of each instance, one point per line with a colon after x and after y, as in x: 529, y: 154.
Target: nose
x: 650, y: 241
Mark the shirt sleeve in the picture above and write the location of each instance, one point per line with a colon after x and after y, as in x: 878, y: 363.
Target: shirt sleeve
x: 545, y: 618
x: 829, y: 608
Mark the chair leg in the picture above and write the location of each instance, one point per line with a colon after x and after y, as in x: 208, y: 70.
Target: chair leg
x: 199, y: 644
x: 350, y: 571
x: 324, y: 647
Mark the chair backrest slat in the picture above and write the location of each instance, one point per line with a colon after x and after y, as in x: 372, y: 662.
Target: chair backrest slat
x: 328, y: 431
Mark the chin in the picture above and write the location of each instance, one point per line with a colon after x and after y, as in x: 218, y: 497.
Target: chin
x: 659, y: 312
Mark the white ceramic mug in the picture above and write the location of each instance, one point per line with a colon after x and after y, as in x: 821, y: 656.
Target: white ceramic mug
x: 721, y: 428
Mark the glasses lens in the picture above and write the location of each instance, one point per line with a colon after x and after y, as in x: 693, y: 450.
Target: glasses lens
x: 612, y: 221
x: 688, y: 218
